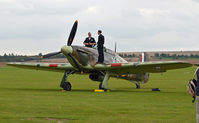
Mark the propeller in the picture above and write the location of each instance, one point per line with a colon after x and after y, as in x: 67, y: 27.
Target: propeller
x: 72, y: 33
x: 78, y: 67
x: 70, y: 41
x: 68, y: 50
x: 50, y: 54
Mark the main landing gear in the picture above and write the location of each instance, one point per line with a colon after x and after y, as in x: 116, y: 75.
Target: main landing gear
x: 137, y: 85
x: 64, y: 83
x: 66, y: 86
x: 104, y: 84
x: 100, y: 86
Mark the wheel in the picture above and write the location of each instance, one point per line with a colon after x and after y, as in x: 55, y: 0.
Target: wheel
x: 67, y: 86
x: 100, y: 86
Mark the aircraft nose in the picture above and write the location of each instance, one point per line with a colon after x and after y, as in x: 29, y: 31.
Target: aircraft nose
x: 66, y: 49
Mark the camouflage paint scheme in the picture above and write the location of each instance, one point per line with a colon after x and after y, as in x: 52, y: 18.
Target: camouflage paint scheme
x: 137, y: 72
x: 82, y: 60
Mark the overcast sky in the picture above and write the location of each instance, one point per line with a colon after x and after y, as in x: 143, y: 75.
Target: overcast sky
x: 34, y: 26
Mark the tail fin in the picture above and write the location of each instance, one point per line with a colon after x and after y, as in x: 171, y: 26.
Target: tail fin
x: 144, y: 57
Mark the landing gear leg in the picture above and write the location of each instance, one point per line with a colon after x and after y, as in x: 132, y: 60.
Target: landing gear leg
x: 64, y: 83
x: 137, y: 85
x: 100, y: 85
x: 104, y: 83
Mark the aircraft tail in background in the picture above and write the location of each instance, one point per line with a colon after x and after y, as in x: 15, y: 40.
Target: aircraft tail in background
x: 144, y: 57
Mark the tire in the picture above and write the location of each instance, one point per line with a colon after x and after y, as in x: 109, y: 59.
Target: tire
x: 67, y: 86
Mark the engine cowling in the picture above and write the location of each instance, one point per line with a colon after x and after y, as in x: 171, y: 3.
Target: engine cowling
x: 96, y: 77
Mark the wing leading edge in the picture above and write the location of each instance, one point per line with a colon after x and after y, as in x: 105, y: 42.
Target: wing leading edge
x: 43, y: 66
x: 117, y: 68
x: 142, y: 67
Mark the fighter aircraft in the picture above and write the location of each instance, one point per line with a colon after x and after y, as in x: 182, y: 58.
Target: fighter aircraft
x: 82, y: 61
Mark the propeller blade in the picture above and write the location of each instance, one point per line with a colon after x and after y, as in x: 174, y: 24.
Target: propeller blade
x: 50, y: 54
x: 72, y: 33
x: 78, y: 67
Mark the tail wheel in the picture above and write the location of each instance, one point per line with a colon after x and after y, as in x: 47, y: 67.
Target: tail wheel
x: 67, y: 86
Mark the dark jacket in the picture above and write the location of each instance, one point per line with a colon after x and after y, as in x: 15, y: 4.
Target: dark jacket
x: 92, y: 40
x: 100, y: 42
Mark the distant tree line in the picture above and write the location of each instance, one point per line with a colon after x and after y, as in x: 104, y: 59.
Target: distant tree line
x: 21, y: 58
x: 175, y: 56
x: 127, y: 55
x: 161, y: 56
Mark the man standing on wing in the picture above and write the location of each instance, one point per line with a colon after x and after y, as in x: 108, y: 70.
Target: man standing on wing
x: 100, y: 46
x: 89, y: 41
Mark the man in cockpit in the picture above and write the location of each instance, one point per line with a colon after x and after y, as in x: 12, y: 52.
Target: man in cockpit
x: 89, y: 41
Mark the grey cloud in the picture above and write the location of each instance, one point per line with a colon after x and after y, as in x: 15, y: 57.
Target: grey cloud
x: 135, y: 24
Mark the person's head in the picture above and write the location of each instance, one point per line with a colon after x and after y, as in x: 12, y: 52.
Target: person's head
x: 89, y: 34
x: 99, y: 32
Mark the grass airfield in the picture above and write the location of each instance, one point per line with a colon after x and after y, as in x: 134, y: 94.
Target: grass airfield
x: 35, y: 96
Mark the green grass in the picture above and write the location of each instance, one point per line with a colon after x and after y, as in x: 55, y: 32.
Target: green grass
x: 35, y: 96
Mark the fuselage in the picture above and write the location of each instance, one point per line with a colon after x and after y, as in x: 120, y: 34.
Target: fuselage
x: 89, y: 56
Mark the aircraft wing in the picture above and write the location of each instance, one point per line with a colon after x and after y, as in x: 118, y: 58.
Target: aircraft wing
x: 43, y: 66
x: 117, y: 68
x: 142, y: 67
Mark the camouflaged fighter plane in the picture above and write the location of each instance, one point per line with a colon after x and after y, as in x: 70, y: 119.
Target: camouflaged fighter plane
x: 82, y: 60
